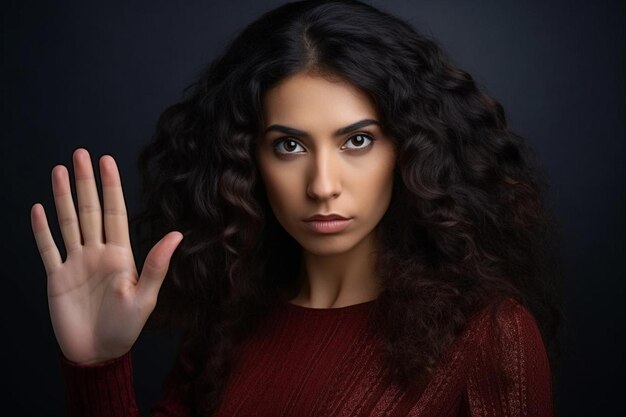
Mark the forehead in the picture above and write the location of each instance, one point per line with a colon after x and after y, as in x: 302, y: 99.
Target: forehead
x: 312, y: 100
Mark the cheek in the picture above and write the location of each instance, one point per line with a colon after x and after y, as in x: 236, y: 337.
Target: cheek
x: 383, y: 176
x: 376, y: 187
x: 377, y: 178
x: 281, y: 191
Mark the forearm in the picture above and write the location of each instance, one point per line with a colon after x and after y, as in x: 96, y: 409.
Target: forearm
x: 104, y: 389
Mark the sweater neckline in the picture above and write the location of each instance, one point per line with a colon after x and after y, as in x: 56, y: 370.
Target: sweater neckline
x: 365, y: 305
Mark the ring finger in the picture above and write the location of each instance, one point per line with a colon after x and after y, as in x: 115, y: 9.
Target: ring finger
x: 66, y: 212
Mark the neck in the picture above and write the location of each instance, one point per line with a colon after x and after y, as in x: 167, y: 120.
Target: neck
x: 339, y: 280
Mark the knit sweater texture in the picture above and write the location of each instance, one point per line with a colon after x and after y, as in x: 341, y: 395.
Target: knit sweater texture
x: 304, y: 361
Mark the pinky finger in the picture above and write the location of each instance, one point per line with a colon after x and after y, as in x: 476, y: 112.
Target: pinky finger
x: 45, y: 243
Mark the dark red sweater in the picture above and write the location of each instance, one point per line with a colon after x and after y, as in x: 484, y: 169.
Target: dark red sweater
x: 321, y: 362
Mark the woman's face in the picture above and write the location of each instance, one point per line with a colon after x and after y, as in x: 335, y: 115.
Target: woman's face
x: 321, y: 151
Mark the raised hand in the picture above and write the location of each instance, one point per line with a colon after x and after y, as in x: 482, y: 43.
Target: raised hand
x: 98, y: 303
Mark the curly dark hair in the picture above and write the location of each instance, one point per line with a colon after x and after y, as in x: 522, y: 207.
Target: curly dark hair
x: 468, y: 222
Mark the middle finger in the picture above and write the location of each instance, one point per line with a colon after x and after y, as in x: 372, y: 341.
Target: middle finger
x: 89, y: 211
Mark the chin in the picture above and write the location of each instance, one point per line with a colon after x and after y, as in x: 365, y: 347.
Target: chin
x: 328, y: 245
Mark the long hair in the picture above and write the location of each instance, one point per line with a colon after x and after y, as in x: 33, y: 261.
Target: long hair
x: 468, y: 221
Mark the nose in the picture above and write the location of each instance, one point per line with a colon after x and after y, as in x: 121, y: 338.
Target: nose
x: 324, y: 182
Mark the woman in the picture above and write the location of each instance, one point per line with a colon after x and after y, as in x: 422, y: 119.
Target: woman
x: 363, y: 235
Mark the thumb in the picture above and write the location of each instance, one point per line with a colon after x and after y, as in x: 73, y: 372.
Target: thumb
x: 155, y: 266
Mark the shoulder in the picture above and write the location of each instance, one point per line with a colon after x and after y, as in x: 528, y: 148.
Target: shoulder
x: 509, y: 361
x: 507, y: 342
x: 498, y: 362
x: 503, y: 324
x: 506, y: 337
x: 503, y: 320
x: 501, y: 334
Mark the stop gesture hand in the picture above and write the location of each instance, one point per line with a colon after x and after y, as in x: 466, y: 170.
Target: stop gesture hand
x: 98, y: 303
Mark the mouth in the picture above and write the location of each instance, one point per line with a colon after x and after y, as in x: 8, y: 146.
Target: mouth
x: 328, y: 225
x: 326, y: 217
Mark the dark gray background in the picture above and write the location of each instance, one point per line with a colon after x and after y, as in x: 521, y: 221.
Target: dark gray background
x: 97, y: 75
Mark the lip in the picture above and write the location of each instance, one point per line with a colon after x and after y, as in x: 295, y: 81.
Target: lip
x: 326, y: 217
x: 328, y: 224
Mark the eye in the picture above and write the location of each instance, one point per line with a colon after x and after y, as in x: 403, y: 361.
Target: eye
x: 286, y: 146
x: 360, y: 140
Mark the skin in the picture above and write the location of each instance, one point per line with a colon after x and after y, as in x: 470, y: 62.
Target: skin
x: 98, y: 301
x: 318, y: 172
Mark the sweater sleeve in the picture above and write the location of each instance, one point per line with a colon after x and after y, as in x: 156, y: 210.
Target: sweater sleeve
x: 510, y: 374
x: 106, y: 389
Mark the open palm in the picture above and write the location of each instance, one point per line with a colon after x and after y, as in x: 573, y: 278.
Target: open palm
x: 98, y: 303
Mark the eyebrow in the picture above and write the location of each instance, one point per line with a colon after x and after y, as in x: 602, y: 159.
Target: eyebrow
x: 342, y: 131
